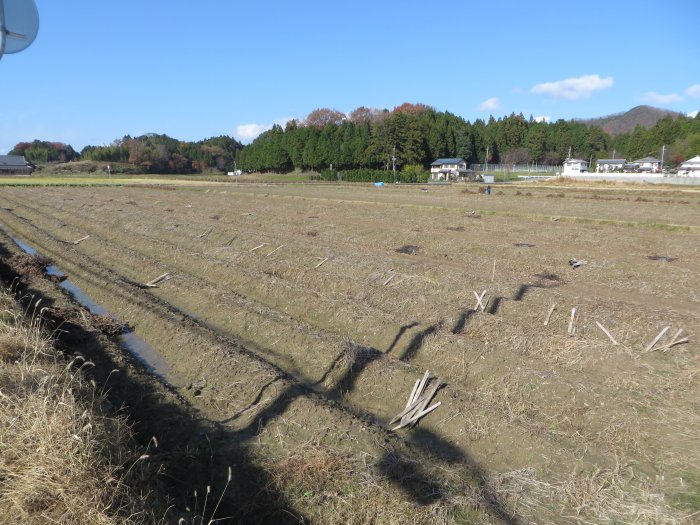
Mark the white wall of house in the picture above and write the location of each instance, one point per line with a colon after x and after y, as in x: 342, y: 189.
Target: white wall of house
x: 574, y: 166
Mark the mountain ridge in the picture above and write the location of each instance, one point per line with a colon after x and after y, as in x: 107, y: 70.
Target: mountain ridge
x: 626, y: 121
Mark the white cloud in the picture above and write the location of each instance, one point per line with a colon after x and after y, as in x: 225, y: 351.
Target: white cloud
x: 543, y: 118
x: 657, y: 98
x: 489, y: 104
x: 693, y: 91
x: 693, y: 114
x: 573, y: 88
x: 249, y: 132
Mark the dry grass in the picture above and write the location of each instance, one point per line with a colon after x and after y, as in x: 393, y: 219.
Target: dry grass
x: 63, y: 458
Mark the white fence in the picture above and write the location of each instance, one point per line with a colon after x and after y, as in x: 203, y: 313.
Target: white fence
x: 518, y: 168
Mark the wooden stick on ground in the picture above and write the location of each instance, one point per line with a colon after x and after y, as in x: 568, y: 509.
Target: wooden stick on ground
x: 389, y: 279
x: 154, y: 283
x: 273, y: 251
x: 322, y: 262
x: 417, y: 416
x: 258, y: 247
x: 78, y: 241
x: 546, y: 321
x: 417, y: 400
x: 675, y: 340
x: 493, y: 272
x: 656, y: 339
x: 606, y: 333
x: 479, y: 302
x: 202, y: 235
x: 667, y: 347
x: 572, y: 327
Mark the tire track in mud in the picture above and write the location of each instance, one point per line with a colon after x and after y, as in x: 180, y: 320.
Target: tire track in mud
x: 428, y: 447
x: 352, y: 363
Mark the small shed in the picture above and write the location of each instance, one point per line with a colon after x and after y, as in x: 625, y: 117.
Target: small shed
x: 15, y: 165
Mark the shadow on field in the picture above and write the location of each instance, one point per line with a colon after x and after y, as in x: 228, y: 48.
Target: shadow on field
x: 410, y: 474
x: 192, y: 453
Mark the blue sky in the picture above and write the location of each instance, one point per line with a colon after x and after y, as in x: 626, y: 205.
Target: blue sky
x: 99, y: 70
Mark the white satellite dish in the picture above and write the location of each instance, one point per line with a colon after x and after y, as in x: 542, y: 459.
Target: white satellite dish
x: 19, y: 25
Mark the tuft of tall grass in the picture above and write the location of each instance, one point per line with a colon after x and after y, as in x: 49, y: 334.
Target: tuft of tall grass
x: 64, y: 457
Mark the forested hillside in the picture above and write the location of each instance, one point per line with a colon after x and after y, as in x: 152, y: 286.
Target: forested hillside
x: 417, y: 135
x: 149, y: 153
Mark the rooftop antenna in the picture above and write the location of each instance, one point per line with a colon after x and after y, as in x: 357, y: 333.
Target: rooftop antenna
x: 19, y: 25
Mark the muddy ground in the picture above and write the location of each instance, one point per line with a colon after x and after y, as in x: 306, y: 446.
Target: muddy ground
x: 299, y: 317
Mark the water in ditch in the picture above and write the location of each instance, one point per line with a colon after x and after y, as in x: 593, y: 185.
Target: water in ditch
x: 136, y: 346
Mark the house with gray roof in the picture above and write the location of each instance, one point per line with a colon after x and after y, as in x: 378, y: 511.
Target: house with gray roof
x: 449, y: 169
x: 690, y: 167
x: 15, y: 165
x: 608, y: 165
x: 648, y: 164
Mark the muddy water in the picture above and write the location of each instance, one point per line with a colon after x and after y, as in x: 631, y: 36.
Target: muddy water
x: 140, y: 349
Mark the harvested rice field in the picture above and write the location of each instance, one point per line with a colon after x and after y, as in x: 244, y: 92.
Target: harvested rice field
x: 298, y: 318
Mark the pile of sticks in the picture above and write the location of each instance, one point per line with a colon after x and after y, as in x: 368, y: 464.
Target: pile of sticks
x: 417, y: 402
x: 676, y: 340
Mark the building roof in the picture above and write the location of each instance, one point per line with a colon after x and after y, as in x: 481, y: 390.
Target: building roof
x: 13, y: 161
x: 648, y: 159
x: 611, y: 161
x: 692, y: 162
x: 575, y: 161
x: 440, y: 162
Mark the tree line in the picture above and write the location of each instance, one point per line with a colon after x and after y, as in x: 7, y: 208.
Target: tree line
x: 411, y: 136
x: 415, y: 135
x: 150, y: 153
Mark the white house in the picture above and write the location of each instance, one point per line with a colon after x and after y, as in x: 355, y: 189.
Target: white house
x: 608, y: 165
x: 648, y: 164
x: 448, y: 169
x: 690, y: 167
x: 574, y: 167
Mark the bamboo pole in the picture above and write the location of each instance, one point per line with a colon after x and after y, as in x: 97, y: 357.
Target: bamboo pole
x: 551, y: 310
x: 656, y: 339
x: 273, y: 251
x: 572, y: 328
x: 258, y: 247
x: 606, y: 333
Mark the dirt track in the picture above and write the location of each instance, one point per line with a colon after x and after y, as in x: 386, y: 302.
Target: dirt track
x: 283, y: 353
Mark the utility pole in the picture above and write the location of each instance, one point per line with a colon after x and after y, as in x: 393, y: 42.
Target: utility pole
x: 393, y: 164
x: 663, y: 150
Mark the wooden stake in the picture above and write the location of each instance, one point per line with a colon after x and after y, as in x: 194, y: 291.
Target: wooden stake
x: 273, y: 251
x: 258, y: 247
x: 478, y: 301
x: 666, y: 348
x: 546, y: 321
x: 413, y: 393
x: 572, y: 329
x: 606, y: 333
x: 656, y: 339
x: 77, y: 241
x: 154, y: 283
x: 417, y: 416
x: 493, y: 272
x: 322, y: 262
